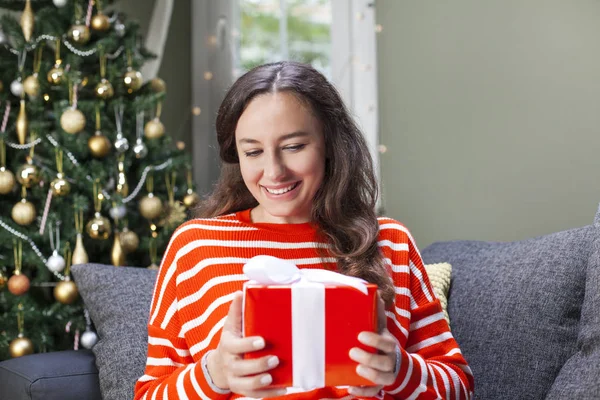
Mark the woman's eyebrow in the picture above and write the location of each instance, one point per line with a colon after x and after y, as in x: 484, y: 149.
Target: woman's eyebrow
x: 287, y: 136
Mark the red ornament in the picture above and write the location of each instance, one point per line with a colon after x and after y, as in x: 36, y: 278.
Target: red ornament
x: 18, y: 284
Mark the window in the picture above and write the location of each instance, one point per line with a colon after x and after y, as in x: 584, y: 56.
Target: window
x: 274, y: 30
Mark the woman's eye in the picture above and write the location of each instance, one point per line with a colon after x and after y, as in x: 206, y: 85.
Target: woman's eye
x: 295, y: 147
x: 253, y: 153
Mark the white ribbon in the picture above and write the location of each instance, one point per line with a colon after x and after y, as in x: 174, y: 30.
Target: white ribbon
x: 308, y: 311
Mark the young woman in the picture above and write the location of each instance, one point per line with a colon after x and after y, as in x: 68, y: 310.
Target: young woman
x: 297, y: 183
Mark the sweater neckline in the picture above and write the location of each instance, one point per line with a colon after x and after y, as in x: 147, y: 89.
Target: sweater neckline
x: 286, y: 229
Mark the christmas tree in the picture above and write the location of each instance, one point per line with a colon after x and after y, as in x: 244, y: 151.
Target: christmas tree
x: 87, y: 173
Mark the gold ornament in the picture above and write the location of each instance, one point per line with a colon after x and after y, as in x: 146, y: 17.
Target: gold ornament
x: 129, y: 240
x: 27, y: 21
x: 28, y: 174
x: 98, y: 227
x: 150, y: 206
x: 23, y: 213
x: 65, y: 292
x: 7, y: 180
x: 22, y: 123
x: 117, y: 254
x: 21, y: 346
x: 190, y: 199
x: 80, y: 34
x: 18, y: 284
x: 154, y: 129
x: 104, y: 89
x: 60, y: 186
x: 99, y: 145
x: 174, y: 214
x: 100, y: 22
x: 132, y: 80
x: 158, y: 85
x: 79, y: 254
x: 72, y: 121
x: 122, y: 186
x: 55, y: 74
x: 31, y: 85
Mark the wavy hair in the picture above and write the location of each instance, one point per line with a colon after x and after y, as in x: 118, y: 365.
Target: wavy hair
x: 343, y: 208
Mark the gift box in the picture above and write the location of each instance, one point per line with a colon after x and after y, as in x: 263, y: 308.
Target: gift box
x: 310, y: 319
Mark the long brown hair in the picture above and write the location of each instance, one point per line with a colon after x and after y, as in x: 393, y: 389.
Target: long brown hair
x: 344, y: 207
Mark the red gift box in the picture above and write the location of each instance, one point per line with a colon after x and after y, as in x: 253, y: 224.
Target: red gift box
x: 311, y: 327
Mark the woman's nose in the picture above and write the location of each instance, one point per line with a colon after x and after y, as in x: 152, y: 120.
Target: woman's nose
x: 274, y: 168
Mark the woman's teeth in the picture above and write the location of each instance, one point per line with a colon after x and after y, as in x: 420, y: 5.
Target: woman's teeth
x: 281, y: 191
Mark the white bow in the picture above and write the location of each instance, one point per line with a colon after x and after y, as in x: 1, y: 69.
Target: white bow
x: 268, y: 270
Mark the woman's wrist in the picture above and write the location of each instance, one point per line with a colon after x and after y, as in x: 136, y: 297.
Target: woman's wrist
x: 214, y: 370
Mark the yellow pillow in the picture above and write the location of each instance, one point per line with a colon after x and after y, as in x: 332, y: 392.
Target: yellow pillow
x: 439, y: 275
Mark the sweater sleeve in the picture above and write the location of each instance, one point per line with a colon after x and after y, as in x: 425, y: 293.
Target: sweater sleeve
x: 171, y: 371
x: 431, y: 363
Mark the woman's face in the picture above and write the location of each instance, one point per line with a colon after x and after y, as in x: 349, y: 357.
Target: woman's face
x: 281, y: 149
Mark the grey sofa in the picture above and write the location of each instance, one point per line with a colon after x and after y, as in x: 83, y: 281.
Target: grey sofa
x: 526, y: 315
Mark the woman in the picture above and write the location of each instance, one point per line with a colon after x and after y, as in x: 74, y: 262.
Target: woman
x: 297, y: 183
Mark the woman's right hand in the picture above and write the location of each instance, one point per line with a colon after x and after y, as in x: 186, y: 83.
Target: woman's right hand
x: 227, y: 367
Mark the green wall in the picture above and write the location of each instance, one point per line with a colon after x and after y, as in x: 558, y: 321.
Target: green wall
x: 490, y: 111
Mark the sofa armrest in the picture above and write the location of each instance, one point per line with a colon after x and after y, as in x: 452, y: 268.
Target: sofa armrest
x: 62, y: 375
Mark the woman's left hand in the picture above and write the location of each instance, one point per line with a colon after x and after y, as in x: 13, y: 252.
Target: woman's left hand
x: 377, y: 367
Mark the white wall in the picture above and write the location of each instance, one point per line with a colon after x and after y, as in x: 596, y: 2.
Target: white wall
x: 490, y: 111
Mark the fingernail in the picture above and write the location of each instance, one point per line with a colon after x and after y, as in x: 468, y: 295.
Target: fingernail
x: 273, y: 361
x: 361, y: 371
x: 351, y: 390
x: 362, y: 337
x: 266, y: 380
x: 259, y: 343
x: 353, y: 353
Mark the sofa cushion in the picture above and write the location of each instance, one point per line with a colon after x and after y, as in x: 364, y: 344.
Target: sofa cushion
x: 579, y: 378
x: 61, y: 375
x: 118, y: 300
x: 440, y: 276
x: 515, y: 308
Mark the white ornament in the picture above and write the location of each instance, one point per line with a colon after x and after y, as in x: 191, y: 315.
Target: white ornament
x: 55, y: 263
x: 88, y: 339
x: 140, y: 150
x: 121, y: 144
x: 16, y: 87
x: 120, y: 29
x: 3, y: 38
x: 118, y: 212
x: 59, y: 3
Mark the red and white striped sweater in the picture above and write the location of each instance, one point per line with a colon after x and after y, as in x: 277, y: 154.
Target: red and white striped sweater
x: 202, y: 268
